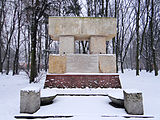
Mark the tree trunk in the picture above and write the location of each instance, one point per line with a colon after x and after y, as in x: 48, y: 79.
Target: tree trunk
x: 8, y: 60
x: 122, y: 67
x: 95, y: 8
x: 18, y: 44
x: 26, y: 54
x: 117, y: 52
x: 152, y: 40
x: 131, y: 58
x: 40, y: 50
x: 115, y: 15
x: 122, y: 42
x: 145, y: 27
x: 1, y: 28
x: 46, y: 44
x: 147, y: 58
x: 29, y: 54
x: 138, y: 37
x: 16, y: 60
x: 79, y: 45
x: 33, y: 73
x: 117, y: 36
x: 102, y: 14
x: 0, y: 53
x: 106, y: 11
x: 84, y: 47
x: 88, y: 9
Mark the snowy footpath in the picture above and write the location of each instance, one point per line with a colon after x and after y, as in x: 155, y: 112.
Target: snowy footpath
x: 82, y: 107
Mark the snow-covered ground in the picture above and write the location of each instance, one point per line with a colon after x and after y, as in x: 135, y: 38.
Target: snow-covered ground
x: 82, y: 107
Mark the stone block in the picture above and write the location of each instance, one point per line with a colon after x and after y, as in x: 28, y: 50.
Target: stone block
x: 57, y: 64
x: 133, y: 102
x: 82, y: 27
x: 82, y: 63
x: 66, y: 45
x: 97, y: 45
x: 29, y: 100
x: 107, y: 63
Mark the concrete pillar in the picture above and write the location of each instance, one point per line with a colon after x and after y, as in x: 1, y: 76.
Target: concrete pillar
x: 97, y: 45
x: 66, y: 45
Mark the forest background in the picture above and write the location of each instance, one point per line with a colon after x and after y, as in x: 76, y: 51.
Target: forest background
x: 26, y: 45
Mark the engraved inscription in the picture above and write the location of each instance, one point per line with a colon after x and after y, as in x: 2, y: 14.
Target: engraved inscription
x: 82, y: 63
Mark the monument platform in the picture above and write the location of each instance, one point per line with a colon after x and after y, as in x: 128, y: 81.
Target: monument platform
x: 82, y: 80
x: 95, y: 69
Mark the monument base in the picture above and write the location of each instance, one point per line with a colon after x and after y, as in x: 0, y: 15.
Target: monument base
x: 82, y: 80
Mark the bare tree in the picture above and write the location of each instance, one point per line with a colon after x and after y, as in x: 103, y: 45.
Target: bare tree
x: 16, y: 58
x: 9, y: 35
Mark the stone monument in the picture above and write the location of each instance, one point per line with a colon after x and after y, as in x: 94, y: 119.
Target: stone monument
x: 93, y: 70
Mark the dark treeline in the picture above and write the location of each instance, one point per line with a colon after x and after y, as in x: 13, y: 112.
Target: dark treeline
x: 25, y: 43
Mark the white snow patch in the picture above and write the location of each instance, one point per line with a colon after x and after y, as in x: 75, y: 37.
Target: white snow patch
x: 132, y: 91
x: 47, y: 92
x: 118, y: 94
x: 31, y: 88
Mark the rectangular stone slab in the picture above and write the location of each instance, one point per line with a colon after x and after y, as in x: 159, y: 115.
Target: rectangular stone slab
x: 57, y: 64
x: 77, y: 63
x: 82, y: 27
x: 107, y: 63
